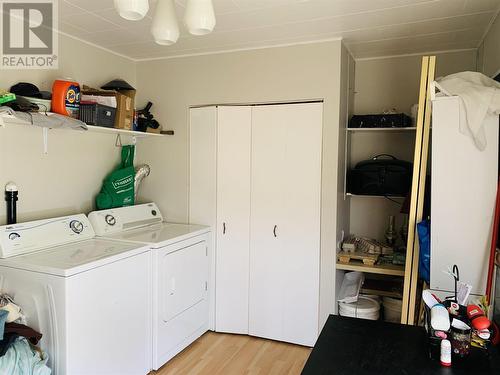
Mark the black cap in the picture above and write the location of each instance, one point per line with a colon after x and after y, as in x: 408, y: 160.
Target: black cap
x: 29, y: 90
x: 117, y: 84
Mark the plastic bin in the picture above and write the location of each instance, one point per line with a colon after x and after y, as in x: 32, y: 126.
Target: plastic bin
x: 392, y: 309
x: 97, y: 114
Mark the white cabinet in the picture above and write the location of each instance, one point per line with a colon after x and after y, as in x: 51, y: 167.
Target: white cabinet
x: 233, y: 218
x: 266, y: 189
x: 285, y: 222
x: 463, y: 191
x: 202, y: 181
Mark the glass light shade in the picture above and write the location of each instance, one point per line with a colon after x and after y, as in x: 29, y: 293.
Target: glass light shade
x: 132, y: 10
x: 200, y: 17
x: 164, y: 28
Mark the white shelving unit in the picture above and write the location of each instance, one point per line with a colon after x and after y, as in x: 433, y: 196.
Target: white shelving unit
x: 374, y: 196
x: 10, y: 120
x: 368, y: 132
x: 7, y: 120
x: 131, y: 133
x: 373, y: 210
x: 381, y: 130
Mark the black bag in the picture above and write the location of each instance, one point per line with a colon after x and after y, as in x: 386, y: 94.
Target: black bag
x: 396, y: 120
x: 379, y: 176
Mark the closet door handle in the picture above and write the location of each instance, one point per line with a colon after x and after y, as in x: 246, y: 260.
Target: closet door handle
x: 274, y: 230
x: 223, y: 228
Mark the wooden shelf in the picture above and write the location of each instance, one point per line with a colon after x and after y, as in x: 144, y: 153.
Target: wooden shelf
x: 384, y: 269
x: 383, y: 285
x: 381, y: 293
x: 375, y: 130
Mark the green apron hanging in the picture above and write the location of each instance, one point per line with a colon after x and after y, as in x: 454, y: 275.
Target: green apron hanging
x: 118, y: 188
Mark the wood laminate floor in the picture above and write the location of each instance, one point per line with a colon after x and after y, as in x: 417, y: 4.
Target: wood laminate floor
x: 224, y: 354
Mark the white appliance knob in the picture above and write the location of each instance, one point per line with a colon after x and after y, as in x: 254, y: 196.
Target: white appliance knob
x: 76, y: 226
x: 110, y: 220
x: 13, y: 236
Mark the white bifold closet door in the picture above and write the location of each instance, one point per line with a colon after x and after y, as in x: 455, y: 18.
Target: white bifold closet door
x: 233, y: 218
x: 285, y: 222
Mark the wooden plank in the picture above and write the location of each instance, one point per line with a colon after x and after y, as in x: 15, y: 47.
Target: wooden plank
x: 384, y: 269
x: 381, y: 293
x: 421, y: 190
x: 346, y: 257
x: 414, y: 188
x: 216, y: 353
x: 383, y: 286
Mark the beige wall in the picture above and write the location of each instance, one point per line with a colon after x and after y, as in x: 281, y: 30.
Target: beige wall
x: 386, y: 83
x: 489, y: 52
x: 282, y: 74
x: 67, y: 179
x: 265, y: 75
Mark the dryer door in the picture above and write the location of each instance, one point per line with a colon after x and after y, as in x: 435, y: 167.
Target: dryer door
x: 185, y: 276
x: 181, y: 313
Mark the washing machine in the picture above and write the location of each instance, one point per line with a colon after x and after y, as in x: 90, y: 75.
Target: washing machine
x: 181, y: 260
x: 89, y: 297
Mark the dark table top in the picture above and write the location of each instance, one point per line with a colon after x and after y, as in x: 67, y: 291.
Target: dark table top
x: 360, y: 347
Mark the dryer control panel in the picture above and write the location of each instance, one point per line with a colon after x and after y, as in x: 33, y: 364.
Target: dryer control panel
x: 23, y: 238
x: 116, y: 220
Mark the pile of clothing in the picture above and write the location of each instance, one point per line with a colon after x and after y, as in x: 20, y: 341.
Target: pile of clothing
x: 19, y: 354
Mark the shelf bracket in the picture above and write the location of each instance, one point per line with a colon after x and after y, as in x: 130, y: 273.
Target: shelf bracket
x: 45, y: 135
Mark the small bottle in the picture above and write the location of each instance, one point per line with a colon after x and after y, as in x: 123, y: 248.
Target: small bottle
x: 445, y: 353
x: 390, y: 233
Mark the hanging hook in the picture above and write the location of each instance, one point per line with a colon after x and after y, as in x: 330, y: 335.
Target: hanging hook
x: 118, y: 141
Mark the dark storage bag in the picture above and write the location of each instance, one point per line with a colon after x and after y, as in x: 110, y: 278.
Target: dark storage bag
x: 381, y: 175
x: 398, y: 120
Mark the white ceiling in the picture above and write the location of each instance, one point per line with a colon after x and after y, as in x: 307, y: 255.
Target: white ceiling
x: 369, y: 27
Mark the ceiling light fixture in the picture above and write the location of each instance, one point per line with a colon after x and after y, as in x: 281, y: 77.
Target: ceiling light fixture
x: 200, y: 17
x: 164, y: 28
x: 132, y: 10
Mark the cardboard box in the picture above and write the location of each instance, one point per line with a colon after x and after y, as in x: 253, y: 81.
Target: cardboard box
x: 125, y: 101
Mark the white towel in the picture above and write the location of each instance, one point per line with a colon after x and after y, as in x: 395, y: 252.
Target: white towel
x: 480, y: 98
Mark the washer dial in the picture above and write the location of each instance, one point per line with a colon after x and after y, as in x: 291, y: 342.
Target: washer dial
x: 110, y: 220
x: 76, y: 226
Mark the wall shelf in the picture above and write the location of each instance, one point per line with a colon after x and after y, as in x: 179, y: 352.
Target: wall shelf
x: 6, y: 119
x: 381, y: 269
x: 131, y: 133
x: 380, y: 130
x: 375, y: 196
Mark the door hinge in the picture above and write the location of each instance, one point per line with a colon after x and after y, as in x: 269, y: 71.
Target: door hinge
x: 206, y: 285
x: 206, y: 250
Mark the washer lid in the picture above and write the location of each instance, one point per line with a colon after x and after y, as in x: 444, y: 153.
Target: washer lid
x: 70, y: 259
x: 160, y: 235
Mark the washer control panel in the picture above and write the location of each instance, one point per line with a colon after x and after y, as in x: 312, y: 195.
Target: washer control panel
x: 116, y: 220
x: 23, y: 238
